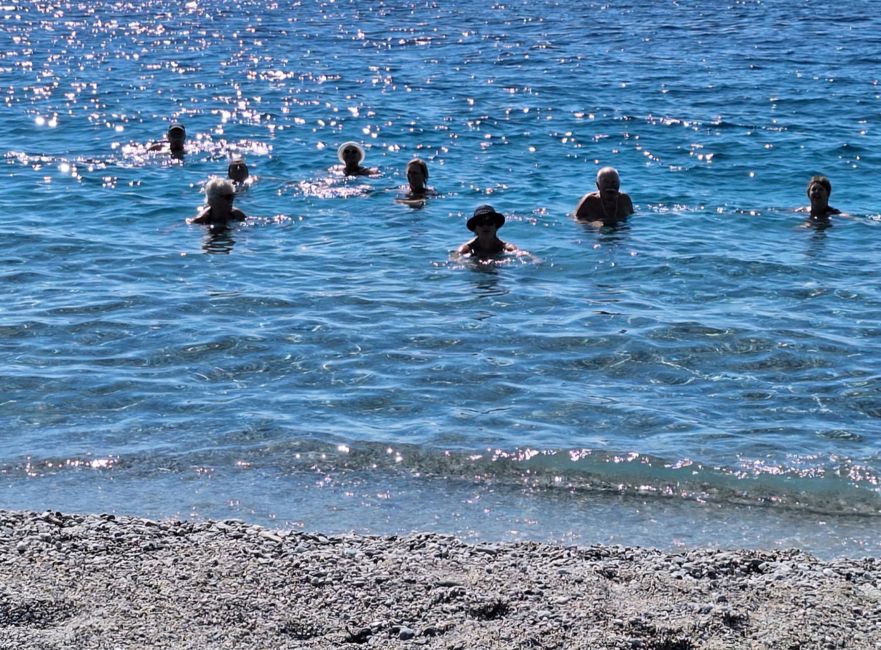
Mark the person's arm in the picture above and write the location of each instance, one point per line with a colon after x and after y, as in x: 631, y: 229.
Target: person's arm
x: 203, y: 217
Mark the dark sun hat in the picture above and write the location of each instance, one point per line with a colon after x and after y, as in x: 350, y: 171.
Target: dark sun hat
x: 483, y: 211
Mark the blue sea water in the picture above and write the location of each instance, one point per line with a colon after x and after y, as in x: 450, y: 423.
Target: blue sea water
x: 708, y: 373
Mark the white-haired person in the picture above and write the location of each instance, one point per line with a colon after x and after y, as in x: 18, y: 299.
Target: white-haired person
x: 218, y: 209
x: 608, y: 205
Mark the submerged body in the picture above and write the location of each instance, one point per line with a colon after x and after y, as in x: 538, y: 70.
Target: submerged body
x: 608, y: 205
x: 819, y: 190
x: 485, y: 223
x: 351, y: 154
x: 175, y: 139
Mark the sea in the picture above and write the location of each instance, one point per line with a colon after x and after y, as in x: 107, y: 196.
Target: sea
x: 706, y: 374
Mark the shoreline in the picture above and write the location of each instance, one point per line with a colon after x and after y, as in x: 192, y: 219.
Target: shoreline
x: 105, y: 581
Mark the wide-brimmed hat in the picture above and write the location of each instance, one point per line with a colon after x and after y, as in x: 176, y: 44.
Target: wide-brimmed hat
x: 346, y: 145
x: 482, y: 212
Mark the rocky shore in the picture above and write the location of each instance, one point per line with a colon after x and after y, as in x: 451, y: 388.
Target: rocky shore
x: 89, y: 581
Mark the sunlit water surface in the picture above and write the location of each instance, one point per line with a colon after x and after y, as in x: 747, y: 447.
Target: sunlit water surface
x: 707, y: 374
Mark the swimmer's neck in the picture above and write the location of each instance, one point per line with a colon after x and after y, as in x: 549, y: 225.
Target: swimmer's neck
x: 820, y: 209
x: 609, y: 206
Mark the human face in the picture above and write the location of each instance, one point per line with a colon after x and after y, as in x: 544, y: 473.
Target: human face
x: 609, y: 185
x: 351, y: 156
x: 817, y: 193
x: 485, y: 225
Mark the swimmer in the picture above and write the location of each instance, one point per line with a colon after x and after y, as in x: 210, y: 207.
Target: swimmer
x: 176, y: 136
x: 218, y: 210
x: 608, y: 205
x: 485, y: 223
x: 237, y: 171
x: 351, y: 154
x: 819, y: 189
x: 417, y: 174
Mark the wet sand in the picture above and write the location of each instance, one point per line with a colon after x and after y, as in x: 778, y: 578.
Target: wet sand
x: 89, y: 581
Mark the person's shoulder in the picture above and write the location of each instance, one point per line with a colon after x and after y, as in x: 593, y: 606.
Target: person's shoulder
x: 204, y: 216
x: 238, y: 214
x: 626, y: 203
x: 586, y: 206
x: 508, y: 247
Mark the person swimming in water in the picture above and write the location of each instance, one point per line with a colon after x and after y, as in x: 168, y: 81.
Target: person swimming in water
x: 485, y: 223
x: 237, y: 171
x: 608, y: 205
x: 175, y: 138
x: 819, y: 189
x: 417, y: 175
x: 218, y: 210
x: 351, y: 154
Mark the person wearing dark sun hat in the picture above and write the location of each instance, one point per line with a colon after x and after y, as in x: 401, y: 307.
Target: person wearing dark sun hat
x: 485, y: 223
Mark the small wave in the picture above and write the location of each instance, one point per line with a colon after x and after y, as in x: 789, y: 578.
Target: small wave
x: 833, y: 486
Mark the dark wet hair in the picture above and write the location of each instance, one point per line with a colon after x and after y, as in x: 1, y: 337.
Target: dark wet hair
x: 822, y: 180
x: 418, y: 162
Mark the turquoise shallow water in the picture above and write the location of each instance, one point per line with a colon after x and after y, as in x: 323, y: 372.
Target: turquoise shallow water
x: 707, y: 373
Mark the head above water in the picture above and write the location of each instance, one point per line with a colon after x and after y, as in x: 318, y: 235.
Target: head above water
x: 608, y: 179
x: 485, y: 214
x: 238, y: 170
x: 819, y: 186
x: 176, y: 132
x: 219, y: 189
x: 350, y: 153
x: 417, y: 174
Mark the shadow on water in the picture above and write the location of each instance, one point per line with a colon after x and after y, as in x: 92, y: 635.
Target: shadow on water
x: 817, y: 241
x: 486, y: 279
x: 218, y: 240
x: 613, y: 234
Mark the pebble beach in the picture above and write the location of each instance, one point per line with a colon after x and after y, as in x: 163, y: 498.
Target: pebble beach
x: 105, y: 581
